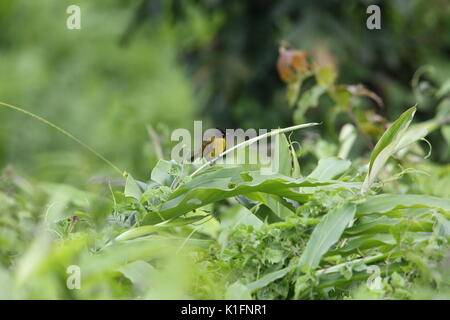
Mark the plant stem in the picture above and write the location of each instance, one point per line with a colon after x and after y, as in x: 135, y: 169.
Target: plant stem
x: 337, y: 267
x: 253, y: 140
x: 64, y: 132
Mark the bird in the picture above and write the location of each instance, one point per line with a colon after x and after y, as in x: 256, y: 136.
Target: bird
x: 212, y: 147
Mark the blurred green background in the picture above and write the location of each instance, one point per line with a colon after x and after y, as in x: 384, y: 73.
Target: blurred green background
x: 166, y: 63
x: 161, y: 64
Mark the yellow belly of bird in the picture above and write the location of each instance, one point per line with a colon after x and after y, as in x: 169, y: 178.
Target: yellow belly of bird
x: 214, y: 148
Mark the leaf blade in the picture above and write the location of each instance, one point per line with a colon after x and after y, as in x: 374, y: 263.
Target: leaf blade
x: 326, y: 233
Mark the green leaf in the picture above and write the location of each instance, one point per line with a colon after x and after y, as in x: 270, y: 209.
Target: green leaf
x: 372, y: 224
x: 237, y: 291
x: 293, y: 89
x: 366, y: 242
x: 140, y: 273
x: 268, y: 208
x: 329, y: 168
x: 389, y: 143
x: 443, y: 226
x: 273, y: 255
x: 326, y: 233
x: 268, y: 278
x: 132, y: 189
x: 326, y: 75
x: 393, y: 132
x: 414, y: 134
x: 256, y: 203
x: 284, y: 155
x: 296, y: 171
x: 279, y: 206
x: 347, y: 138
x: 146, y: 230
x: 165, y: 171
x: 308, y: 99
x: 225, y: 183
x: 388, y: 202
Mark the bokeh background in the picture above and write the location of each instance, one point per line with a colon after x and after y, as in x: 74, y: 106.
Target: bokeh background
x: 165, y: 63
x: 139, y: 69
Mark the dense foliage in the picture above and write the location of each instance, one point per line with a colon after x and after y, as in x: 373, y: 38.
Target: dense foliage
x: 359, y: 207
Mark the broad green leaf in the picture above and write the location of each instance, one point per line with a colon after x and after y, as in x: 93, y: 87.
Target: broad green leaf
x: 387, y: 145
x: 326, y: 234
x: 269, y: 208
x: 329, y: 168
x: 164, y: 172
x: 230, y: 182
x: 132, y: 189
x: 265, y: 214
x: 259, y: 207
x: 279, y: 206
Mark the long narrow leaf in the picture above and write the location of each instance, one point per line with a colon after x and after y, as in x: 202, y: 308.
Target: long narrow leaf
x: 327, y: 233
x: 387, y: 145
